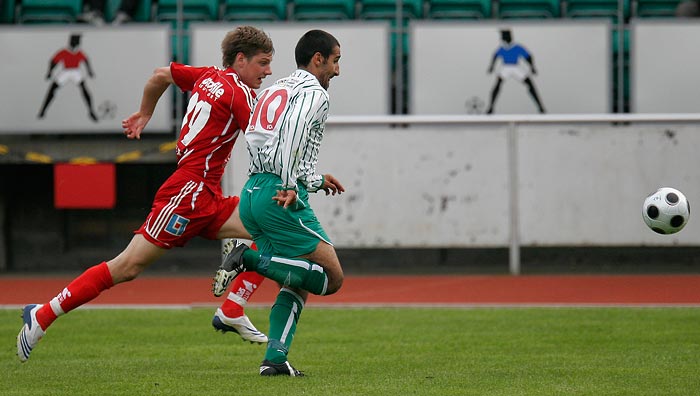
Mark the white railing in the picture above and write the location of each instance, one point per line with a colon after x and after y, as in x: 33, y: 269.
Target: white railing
x: 514, y: 119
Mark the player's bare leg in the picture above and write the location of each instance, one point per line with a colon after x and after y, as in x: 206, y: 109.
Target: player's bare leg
x: 87, y: 286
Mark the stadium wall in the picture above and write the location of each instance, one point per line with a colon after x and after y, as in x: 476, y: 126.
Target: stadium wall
x: 452, y: 185
x: 428, y: 196
x: 423, y: 194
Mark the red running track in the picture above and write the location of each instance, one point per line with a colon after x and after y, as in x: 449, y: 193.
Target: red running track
x: 447, y: 290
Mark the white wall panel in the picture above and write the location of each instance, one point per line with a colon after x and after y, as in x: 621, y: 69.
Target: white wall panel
x: 122, y: 59
x: 449, y: 63
x: 410, y: 186
x: 585, y: 185
x: 664, y: 66
x: 363, y: 87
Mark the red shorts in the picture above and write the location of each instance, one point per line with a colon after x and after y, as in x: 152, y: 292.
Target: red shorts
x: 185, y: 207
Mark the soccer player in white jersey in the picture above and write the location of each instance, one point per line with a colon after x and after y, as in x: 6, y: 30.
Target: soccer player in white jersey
x: 191, y: 202
x: 284, y: 137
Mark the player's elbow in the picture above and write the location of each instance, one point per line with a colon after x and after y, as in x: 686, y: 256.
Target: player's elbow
x: 162, y: 75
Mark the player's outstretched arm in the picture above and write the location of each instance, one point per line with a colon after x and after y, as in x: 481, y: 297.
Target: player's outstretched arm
x: 52, y: 65
x: 89, y: 68
x: 531, y: 62
x: 492, y: 64
x: 159, y: 81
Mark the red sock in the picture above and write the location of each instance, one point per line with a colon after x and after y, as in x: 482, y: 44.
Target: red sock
x: 244, y: 286
x: 81, y: 290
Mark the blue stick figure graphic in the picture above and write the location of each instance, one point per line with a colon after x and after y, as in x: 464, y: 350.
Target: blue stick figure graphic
x: 510, y: 54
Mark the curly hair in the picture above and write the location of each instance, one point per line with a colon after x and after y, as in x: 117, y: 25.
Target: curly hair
x: 246, y: 39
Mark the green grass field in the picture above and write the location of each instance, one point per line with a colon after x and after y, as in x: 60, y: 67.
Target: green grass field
x: 400, y: 351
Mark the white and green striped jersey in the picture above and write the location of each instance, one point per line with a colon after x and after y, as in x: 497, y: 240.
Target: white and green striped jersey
x: 286, y: 128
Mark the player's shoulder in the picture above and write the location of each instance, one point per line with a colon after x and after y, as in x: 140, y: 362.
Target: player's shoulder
x: 304, y: 77
x: 300, y: 83
x: 234, y: 80
x: 307, y: 82
x: 190, y: 69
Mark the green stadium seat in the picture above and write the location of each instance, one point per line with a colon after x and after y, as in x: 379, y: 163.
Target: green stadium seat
x: 655, y: 8
x: 625, y: 43
x: 522, y: 9
x: 385, y: 9
x: 254, y: 10
x: 192, y: 10
x: 7, y: 11
x: 142, y: 14
x: 180, y: 55
x: 595, y: 9
x: 625, y: 86
x: 458, y: 9
x: 48, y: 11
x: 183, y: 57
x: 323, y: 9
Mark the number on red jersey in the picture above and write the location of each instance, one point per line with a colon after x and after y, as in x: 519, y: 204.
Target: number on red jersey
x: 198, y: 112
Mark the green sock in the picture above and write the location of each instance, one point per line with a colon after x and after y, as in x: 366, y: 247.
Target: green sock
x: 297, y: 273
x: 251, y: 258
x: 284, y: 316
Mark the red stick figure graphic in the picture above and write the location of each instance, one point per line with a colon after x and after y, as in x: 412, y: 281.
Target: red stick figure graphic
x: 71, y: 58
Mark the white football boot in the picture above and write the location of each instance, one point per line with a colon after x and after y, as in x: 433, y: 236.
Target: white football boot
x: 30, y: 334
x: 241, y: 325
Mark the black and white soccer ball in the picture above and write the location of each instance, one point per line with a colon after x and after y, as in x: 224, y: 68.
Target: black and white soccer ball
x: 666, y: 211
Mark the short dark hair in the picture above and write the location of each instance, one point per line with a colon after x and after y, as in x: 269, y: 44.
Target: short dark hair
x: 246, y: 39
x: 312, y: 42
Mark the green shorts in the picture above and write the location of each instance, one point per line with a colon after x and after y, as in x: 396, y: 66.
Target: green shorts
x: 290, y: 232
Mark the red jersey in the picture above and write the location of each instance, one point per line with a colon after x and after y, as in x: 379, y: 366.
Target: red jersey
x: 191, y: 203
x: 70, y: 59
x: 218, y: 109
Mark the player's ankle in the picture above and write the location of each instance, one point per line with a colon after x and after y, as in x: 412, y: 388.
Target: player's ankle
x: 232, y: 310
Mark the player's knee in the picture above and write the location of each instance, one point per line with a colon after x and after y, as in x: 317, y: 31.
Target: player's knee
x: 334, y: 284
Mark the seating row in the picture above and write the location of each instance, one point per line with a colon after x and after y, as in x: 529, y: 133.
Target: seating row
x: 42, y: 11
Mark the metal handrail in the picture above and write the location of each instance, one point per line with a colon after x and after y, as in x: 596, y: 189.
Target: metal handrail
x: 515, y: 118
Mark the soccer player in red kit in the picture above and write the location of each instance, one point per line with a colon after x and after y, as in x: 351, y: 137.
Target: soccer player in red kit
x: 190, y: 202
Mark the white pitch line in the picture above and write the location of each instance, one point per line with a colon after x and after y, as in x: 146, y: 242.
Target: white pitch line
x: 385, y: 305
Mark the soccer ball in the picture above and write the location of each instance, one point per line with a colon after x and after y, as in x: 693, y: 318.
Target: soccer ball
x: 666, y: 211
